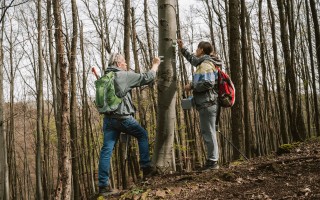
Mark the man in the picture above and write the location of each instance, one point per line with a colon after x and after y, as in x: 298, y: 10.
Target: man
x: 205, y: 97
x: 121, y: 120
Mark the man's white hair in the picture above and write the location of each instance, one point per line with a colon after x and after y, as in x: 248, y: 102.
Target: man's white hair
x: 114, y: 58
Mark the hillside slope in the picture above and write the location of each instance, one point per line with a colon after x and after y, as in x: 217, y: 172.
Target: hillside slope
x: 295, y: 174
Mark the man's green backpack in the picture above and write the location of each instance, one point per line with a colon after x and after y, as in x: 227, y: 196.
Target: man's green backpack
x: 106, y: 98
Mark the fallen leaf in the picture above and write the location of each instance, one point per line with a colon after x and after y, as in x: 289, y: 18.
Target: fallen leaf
x: 239, y: 180
x: 145, y: 194
x: 160, y: 193
x: 176, y: 190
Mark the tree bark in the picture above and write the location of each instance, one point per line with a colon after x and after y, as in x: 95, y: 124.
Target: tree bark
x: 210, y: 21
x: 244, y: 54
x: 317, y: 35
x: 234, y: 57
x: 148, y: 31
x: 101, y: 19
x: 11, y: 127
x: 73, y: 103
x: 164, y: 153
x: 290, y: 74
x: 141, y: 109
x: 151, y: 53
x: 39, y: 191
x: 4, y: 176
x: 314, y: 87
x: 127, y: 32
x: 64, y: 182
x: 123, y: 145
x: 86, y: 161
x: 283, y: 127
x: 56, y: 99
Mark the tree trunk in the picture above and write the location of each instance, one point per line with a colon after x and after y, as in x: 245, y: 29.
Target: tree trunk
x: 244, y: 53
x: 148, y: 31
x: 86, y: 162
x: 210, y: 21
x: 290, y: 74
x: 283, y: 127
x: 73, y: 104
x: 164, y: 153
x: 64, y: 182
x: 151, y: 54
x: 317, y: 35
x: 4, y: 177
x: 141, y: 108
x: 314, y: 87
x: 39, y: 191
x: 263, y: 55
x: 234, y: 57
x: 127, y: 32
x: 305, y: 82
x: 263, y: 62
x: 56, y: 100
x: 103, y: 62
x: 181, y: 114
x: 123, y: 144
x: 11, y: 129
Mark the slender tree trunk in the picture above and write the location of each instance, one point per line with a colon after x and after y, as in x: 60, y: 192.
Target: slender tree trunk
x: 127, y: 31
x: 244, y: 54
x: 25, y: 159
x: 141, y: 108
x: 101, y: 19
x: 283, y: 115
x: 210, y: 18
x: 266, y: 108
x: 54, y: 78
x: 191, y: 155
x: 84, y: 184
x: 263, y: 63
x: 86, y: 166
x: 126, y: 47
x: 314, y: 87
x: 39, y: 191
x: 289, y: 72
x: 64, y: 183
x: 164, y: 153
x: 221, y: 25
x: 132, y: 159
x: 182, y: 127
x: 4, y: 176
x: 148, y: 31
x: 305, y: 81
x: 297, y: 108
x: 11, y: 129
x: 54, y: 74
x: 73, y: 103
x: 234, y: 57
x: 314, y: 13
x: 150, y: 50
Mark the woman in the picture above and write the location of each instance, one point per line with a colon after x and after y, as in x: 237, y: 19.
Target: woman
x: 205, y: 97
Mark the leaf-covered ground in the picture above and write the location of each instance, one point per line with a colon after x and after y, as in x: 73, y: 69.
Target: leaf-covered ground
x: 295, y: 174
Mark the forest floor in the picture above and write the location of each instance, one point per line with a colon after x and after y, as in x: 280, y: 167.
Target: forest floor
x: 294, y: 174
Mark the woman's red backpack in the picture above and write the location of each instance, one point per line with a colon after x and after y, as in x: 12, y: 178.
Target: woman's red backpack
x: 225, y: 90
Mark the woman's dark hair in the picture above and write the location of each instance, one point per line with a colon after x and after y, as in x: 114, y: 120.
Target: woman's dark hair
x: 206, y: 46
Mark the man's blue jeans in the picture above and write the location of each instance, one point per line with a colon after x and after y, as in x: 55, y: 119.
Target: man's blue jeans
x: 112, y: 128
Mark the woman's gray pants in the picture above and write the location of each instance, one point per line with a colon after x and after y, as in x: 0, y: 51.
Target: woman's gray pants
x: 208, y: 131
